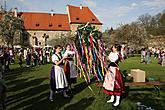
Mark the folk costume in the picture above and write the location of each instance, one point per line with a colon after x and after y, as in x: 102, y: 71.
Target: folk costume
x: 113, y: 83
x: 69, y: 67
x: 58, y: 81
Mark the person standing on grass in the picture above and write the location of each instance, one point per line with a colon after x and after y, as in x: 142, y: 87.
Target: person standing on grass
x: 163, y: 58
x: 113, y: 82
x: 143, y: 55
x: 69, y: 68
x: 34, y: 57
x: 7, y: 59
x: 28, y: 58
x: 58, y: 81
x: 11, y: 56
x: 20, y: 55
x: 148, y: 56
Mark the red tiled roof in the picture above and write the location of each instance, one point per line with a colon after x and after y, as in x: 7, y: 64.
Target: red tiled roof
x: 44, y: 21
x: 83, y: 15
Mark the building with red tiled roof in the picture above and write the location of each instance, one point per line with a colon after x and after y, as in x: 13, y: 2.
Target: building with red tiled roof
x: 42, y: 27
x: 81, y: 15
x: 50, y: 25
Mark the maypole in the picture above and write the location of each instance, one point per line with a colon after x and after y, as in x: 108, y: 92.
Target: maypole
x: 91, y: 52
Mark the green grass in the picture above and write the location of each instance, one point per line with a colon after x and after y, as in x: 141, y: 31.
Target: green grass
x: 28, y: 89
x: 153, y: 69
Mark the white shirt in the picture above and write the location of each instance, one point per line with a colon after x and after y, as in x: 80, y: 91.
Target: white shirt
x: 69, y: 53
x: 55, y: 58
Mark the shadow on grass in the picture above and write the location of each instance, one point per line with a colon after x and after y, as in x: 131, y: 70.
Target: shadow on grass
x: 28, y: 97
x: 31, y: 95
x: 147, y: 97
x: 14, y: 73
x: 59, y: 101
x: 23, y: 84
x: 42, y: 102
x: 81, y: 105
x: 79, y: 87
x: 29, y: 89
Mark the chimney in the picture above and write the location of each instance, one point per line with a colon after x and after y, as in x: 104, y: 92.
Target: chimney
x: 52, y: 13
x: 15, y: 11
x: 81, y: 7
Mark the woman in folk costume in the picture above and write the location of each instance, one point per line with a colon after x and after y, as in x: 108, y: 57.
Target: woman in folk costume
x: 113, y: 83
x: 58, y: 81
x: 69, y: 68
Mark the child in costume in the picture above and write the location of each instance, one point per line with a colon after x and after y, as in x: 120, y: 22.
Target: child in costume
x: 58, y: 81
x: 113, y: 83
x: 69, y: 68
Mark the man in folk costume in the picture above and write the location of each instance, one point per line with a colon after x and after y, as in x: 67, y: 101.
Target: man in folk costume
x: 58, y: 81
x: 113, y: 83
x: 69, y: 68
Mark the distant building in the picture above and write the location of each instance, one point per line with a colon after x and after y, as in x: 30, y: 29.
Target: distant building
x: 42, y: 27
x: 81, y: 15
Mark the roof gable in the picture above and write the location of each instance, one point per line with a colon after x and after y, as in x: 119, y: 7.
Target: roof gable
x: 84, y: 15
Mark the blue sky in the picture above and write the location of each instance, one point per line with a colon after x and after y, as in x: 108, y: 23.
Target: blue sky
x: 111, y: 13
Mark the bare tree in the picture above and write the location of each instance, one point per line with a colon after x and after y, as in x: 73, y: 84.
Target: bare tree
x: 132, y: 34
x: 162, y: 24
x: 145, y: 19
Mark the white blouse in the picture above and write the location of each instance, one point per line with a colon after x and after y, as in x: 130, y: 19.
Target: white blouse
x: 69, y: 53
x: 55, y: 58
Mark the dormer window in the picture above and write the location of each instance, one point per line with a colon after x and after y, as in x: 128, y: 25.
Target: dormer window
x: 77, y: 18
x: 50, y: 25
x: 93, y: 19
x: 59, y: 25
x: 37, y: 24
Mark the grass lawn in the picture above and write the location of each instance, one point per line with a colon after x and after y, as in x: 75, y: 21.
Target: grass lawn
x: 28, y: 89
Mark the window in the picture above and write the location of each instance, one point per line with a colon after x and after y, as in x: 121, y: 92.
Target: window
x: 77, y: 18
x: 37, y: 24
x: 50, y: 25
x: 93, y: 19
x: 36, y: 41
x: 59, y: 25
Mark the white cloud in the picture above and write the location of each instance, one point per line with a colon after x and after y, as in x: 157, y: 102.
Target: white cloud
x: 90, y: 3
x: 21, y: 0
x: 153, y: 3
x: 123, y: 9
x: 134, y: 4
x: 113, y: 14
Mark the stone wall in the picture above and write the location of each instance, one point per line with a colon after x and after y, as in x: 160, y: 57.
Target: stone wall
x: 39, y: 35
